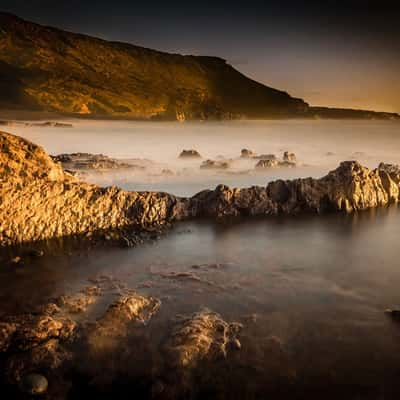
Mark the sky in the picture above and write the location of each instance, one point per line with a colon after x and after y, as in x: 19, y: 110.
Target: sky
x: 330, y: 53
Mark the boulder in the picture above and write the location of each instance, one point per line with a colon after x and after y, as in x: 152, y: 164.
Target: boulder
x: 202, y: 335
x: 189, y: 154
x: 246, y: 153
x: 39, y: 201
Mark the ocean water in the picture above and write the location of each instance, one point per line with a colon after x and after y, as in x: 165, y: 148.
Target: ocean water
x: 310, y: 291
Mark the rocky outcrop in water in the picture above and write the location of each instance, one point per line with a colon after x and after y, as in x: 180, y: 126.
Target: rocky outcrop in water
x: 212, y: 164
x: 87, y: 161
x: 189, y: 154
x: 350, y: 187
x: 38, y: 200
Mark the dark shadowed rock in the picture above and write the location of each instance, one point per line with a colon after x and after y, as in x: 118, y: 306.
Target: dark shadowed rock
x: 246, y: 153
x: 289, y: 157
x: 189, y: 154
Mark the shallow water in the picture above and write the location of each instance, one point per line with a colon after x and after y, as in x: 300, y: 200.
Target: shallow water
x: 310, y: 291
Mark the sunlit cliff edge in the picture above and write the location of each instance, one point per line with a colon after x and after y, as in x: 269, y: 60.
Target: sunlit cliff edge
x: 50, y: 70
x: 39, y: 200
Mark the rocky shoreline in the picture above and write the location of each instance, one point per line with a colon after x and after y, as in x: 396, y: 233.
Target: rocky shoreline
x: 39, y: 200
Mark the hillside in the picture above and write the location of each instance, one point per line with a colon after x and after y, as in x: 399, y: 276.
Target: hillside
x: 49, y: 70
x: 52, y: 70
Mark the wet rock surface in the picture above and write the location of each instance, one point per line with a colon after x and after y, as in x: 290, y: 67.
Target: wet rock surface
x: 48, y: 342
x: 203, y: 335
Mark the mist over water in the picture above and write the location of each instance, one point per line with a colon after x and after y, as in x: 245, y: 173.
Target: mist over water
x: 318, y: 144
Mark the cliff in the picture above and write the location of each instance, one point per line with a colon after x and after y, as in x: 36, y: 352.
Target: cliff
x: 49, y: 69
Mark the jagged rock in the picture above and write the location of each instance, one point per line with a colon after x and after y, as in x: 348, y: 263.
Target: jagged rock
x: 79, y: 302
x: 38, y: 200
x: 189, y: 154
x: 35, y: 341
x: 211, y: 164
x: 246, y: 153
x: 271, y: 157
x: 195, y: 341
x: 289, y: 157
x: 203, y: 335
x: 7, y: 330
x: 114, y: 324
x: 33, y: 330
x: 267, y: 163
x: 348, y: 188
x: 81, y: 161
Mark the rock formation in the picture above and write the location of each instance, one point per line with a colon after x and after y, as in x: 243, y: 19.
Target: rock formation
x: 83, y: 161
x: 197, y: 340
x: 212, y: 164
x: 38, y: 200
x: 189, y: 154
x: 350, y: 187
x: 289, y: 157
x: 246, y: 153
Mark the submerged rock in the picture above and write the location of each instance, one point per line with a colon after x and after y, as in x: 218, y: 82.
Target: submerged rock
x: 189, y: 154
x: 115, y: 322
x: 34, y: 384
x: 200, y: 336
x: 195, y: 343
